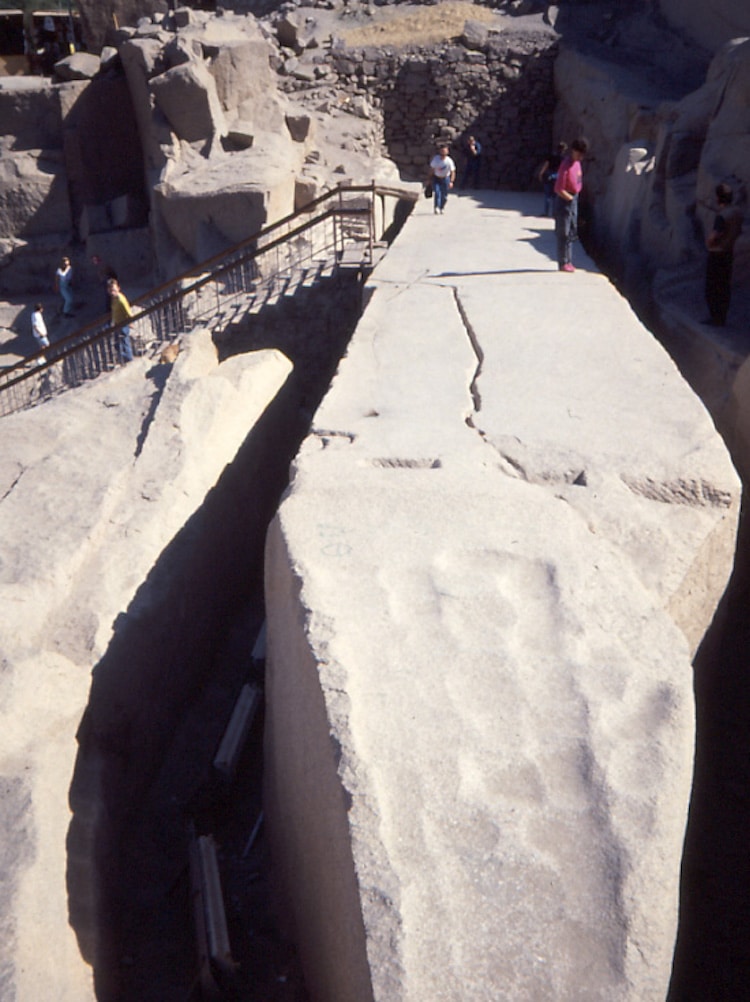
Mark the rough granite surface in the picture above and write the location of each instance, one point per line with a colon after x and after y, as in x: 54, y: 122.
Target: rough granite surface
x: 93, y: 486
x: 504, y: 538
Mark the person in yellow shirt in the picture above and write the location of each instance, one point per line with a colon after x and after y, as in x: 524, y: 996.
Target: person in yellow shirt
x: 121, y: 314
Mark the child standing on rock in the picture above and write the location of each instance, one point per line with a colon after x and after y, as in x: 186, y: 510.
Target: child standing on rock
x: 38, y: 326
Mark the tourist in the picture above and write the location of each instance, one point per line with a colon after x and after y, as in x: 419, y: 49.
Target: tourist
x: 548, y: 175
x: 720, y: 246
x: 38, y: 326
x: 567, y: 189
x: 472, y: 163
x: 64, y: 285
x: 121, y: 314
x: 443, y: 172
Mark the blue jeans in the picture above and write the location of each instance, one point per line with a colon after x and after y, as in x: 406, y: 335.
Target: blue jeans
x: 471, y: 173
x: 124, y: 344
x: 566, y: 228
x: 549, y: 196
x: 440, y: 191
x: 67, y: 297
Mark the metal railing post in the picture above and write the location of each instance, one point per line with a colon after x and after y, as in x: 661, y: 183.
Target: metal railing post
x: 371, y: 221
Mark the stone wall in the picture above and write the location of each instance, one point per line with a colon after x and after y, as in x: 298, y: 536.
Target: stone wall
x: 499, y: 89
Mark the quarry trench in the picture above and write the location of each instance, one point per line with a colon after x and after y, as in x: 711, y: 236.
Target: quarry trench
x: 142, y: 784
x: 144, y: 777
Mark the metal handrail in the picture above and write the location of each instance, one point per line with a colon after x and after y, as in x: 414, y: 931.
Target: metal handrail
x: 212, y: 294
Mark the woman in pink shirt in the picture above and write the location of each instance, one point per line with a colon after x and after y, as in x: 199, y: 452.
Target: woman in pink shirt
x: 567, y: 188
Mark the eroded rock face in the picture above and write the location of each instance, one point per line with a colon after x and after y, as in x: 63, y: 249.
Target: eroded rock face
x: 649, y: 202
x: 157, y: 450
x: 33, y: 195
x: 657, y: 161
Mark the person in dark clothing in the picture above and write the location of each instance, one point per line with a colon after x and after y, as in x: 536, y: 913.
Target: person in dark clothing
x: 548, y: 175
x: 720, y: 259
x: 472, y: 163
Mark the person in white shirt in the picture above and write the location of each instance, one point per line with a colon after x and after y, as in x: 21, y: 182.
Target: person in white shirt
x: 443, y: 172
x: 38, y: 326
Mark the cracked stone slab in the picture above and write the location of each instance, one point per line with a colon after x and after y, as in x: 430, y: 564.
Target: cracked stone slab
x: 505, y: 536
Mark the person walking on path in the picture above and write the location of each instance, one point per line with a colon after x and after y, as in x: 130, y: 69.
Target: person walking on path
x: 548, y: 175
x: 473, y: 163
x: 720, y: 246
x: 567, y: 189
x: 121, y: 314
x: 64, y: 285
x: 38, y: 326
x: 443, y: 171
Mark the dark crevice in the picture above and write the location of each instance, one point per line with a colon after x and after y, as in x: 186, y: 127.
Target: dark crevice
x: 161, y: 698
x: 712, y: 956
x: 477, y: 349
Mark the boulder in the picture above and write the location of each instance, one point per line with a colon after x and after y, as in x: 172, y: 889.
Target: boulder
x: 108, y: 55
x: 475, y: 35
x: 298, y: 30
x: 245, y: 84
x: 208, y: 206
x: 186, y: 95
x: 78, y: 66
x: 184, y: 16
x: 181, y: 49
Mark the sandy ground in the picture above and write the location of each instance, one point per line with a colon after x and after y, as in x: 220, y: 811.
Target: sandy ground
x: 422, y: 25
